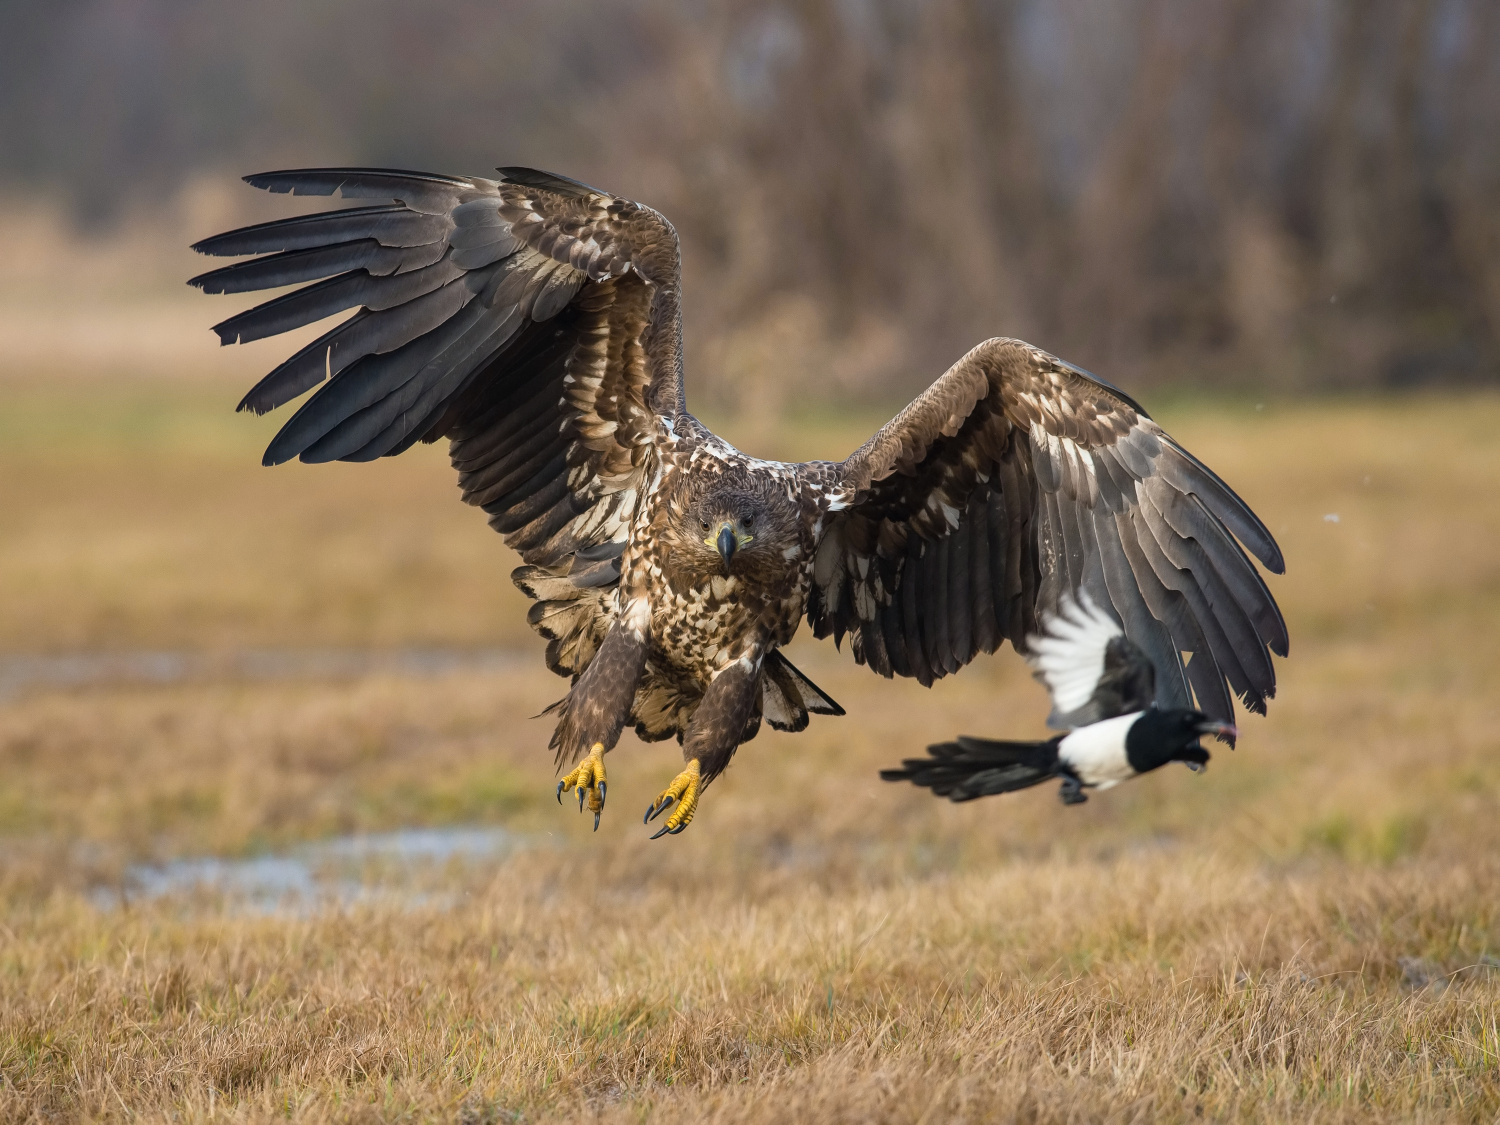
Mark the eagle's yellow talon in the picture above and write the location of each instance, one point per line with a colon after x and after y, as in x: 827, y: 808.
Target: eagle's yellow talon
x: 682, y: 792
x: 588, y: 776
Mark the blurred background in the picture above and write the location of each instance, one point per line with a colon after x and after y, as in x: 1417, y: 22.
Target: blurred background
x: 1303, y: 194
x: 274, y: 824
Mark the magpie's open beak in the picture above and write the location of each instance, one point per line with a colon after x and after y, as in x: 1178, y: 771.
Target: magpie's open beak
x: 727, y: 544
x: 1228, y: 732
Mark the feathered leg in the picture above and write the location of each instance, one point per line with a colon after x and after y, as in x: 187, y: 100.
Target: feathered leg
x: 595, y: 712
x: 717, y: 729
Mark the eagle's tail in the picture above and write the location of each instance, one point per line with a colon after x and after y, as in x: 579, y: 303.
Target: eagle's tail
x: 978, y: 767
x: 787, y: 697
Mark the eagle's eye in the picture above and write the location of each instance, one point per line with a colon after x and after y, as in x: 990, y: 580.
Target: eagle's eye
x: 749, y: 522
x: 704, y: 524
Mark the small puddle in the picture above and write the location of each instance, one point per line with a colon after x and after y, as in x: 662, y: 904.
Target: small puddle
x: 410, y: 868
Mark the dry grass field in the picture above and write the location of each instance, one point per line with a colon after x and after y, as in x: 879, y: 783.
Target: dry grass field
x: 1308, y: 931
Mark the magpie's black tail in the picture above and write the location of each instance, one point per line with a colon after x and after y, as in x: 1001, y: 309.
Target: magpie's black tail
x: 977, y: 767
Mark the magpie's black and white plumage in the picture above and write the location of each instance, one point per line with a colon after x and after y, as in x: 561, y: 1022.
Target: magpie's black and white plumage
x: 1103, y: 692
x: 535, y: 323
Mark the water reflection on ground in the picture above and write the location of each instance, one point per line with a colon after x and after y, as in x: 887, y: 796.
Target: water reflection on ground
x: 409, y: 868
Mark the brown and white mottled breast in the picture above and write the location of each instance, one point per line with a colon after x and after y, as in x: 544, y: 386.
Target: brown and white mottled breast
x: 704, y: 629
x: 701, y: 619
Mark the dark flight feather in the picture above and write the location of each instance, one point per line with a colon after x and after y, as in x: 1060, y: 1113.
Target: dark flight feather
x: 422, y: 192
x: 389, y: 225
x: 547, y: 181
x: 293, y: 267
x: 314, y: 302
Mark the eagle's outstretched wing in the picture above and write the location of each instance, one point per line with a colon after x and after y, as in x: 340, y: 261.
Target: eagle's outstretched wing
x: 1092, y: 670
x: 532, y: 319
x: 1017, y: 478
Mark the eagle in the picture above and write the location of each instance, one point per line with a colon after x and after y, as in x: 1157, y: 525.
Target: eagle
x: 535, y: 322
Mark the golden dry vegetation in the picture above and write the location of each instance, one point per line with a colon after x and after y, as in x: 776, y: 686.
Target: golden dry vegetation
x: 1308, y: 931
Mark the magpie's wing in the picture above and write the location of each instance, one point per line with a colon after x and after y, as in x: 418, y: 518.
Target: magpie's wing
x: 533, y: 320
x: 1017, y: 478
x: 1091, y: 668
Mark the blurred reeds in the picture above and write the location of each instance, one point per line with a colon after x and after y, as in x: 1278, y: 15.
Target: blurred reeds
x: 1226, y: 192
x: 1308, y: 930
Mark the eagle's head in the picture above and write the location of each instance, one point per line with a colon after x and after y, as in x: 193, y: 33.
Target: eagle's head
x: 734, y: 525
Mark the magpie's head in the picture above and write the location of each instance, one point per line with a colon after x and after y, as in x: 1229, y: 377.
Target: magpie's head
x: 1159, y: 737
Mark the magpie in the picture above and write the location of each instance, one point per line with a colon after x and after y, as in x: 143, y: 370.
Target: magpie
x: 1103, y: 694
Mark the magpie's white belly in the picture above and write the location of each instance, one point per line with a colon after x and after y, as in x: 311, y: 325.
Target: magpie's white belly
x: 1096, y: 753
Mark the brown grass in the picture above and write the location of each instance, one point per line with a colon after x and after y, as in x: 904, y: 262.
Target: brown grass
x: 1305, y: 932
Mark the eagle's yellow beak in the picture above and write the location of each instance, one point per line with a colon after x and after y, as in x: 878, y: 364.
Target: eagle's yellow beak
x: 727, y: 541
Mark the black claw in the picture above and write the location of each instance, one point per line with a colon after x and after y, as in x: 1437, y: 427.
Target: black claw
x: 679, y: 828
x: 660, y: 832
x: 559, y: 792
x: 580, y: 798
x: 649, y: 809
x: 601, y: 794
x: 661, y: 808
x: 596, y: 822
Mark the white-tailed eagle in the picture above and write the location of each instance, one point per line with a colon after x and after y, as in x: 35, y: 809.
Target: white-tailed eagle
x: 535, y: 322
